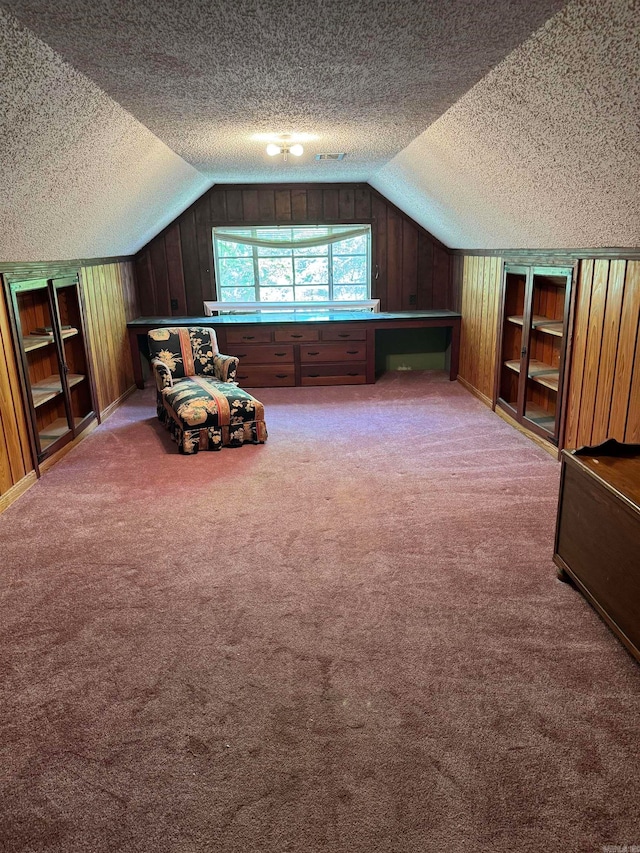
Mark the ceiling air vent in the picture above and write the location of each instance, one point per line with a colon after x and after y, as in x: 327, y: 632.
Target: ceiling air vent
x: 339, y: 156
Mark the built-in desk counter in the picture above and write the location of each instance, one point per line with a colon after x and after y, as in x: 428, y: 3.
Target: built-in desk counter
x: 304, y: 348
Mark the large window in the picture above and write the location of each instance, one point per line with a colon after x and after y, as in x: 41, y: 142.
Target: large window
x: 283, y: 264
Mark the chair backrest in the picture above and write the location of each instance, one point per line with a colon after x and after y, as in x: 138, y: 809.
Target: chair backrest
x: 185, y: 350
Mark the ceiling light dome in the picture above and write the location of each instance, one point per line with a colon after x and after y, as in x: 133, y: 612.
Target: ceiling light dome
x: 285, y: 145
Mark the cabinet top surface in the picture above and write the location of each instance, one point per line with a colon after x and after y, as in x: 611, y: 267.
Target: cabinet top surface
x: 300, y: 317
x: 621, y: 473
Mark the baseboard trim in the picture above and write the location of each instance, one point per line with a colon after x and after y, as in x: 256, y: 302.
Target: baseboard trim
x: 545, y: 445
x: 110, y: 409
x: 470, y: 388
x: 17, y: 489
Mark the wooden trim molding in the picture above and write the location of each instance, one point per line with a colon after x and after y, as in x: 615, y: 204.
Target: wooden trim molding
x: 553, y: 256
x: 17, y: 489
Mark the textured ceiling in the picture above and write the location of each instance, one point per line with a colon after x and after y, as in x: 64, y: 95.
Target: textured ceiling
x: 365, y: 76
x: 79, y: 176
x: 544, y: 152
x: 496, y: 124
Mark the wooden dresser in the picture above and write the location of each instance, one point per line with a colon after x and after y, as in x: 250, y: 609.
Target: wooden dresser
x: 598, y: 532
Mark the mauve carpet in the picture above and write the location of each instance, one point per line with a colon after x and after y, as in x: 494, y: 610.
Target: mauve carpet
x: 350, y: 639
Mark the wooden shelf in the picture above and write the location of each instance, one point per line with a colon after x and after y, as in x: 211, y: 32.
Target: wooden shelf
x: 540, y: 324
x: 52, y: 432
x: 543, y: 374
x: 31, y: 342
x: 47, y: 389
x: 540, y: 416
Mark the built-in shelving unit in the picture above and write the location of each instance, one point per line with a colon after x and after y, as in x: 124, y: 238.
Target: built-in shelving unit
x: 50, y: 342
x: 532, y: 346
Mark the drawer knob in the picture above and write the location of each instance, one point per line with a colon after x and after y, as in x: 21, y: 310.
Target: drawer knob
x: 280, y: 353
x: 242, y: 377
x: 352, y: 352
x: 313, y: 352
x: 248, y: 337
x: 296, y: 336
x: 313, y: 375
x: 241, y: 355
x: 281, y: 375
x: 344, y: 335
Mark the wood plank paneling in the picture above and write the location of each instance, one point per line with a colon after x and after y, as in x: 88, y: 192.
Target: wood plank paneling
x: 15, y: 452
x: 413, y: 268
x: 593, y: 349
x: 103, y: 290
x: 604, y: 376
x: 283, y: 205
x: 479, y: 304
x: 299, y: 206
x: 608, y: 351
x: 576, y: 371
x: 250, y: 206
x: 175, y: 272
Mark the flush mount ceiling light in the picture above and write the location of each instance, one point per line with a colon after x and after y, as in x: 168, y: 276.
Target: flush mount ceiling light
x: 285, y: 145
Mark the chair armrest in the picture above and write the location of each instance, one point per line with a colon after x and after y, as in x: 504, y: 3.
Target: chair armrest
x: 163, y: 376
x: 225, y: 367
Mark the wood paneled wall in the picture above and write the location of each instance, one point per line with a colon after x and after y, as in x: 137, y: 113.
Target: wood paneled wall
x: 109, y: 299
x: 604, y: 378
x: 480, y: 285
x: 16, y: 467
x: 603, y: 396
x: 412, y: 268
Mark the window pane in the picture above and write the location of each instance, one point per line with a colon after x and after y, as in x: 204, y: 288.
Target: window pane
x: 350, y: 291
x: 354, y: 246
x: 236, y: 272
x: 307, y: 233
x: 350, y: 270
x: 275, y: 272
x: 232, y: 250
x: 237, y: 294
x: 266, y: 252
x: 312, y: 294
x: 312, y: 270
x: 276, y: 294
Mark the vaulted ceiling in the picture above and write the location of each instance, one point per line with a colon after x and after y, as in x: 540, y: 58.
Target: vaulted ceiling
x: 495, y: 125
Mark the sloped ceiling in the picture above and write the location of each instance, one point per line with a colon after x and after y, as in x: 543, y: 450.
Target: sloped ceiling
x: 117, y: 116
x: 544, y: 152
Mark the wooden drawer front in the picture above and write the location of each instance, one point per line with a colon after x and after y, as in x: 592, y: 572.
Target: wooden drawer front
x: 249, y: 336
x: 334, y: 374
x: 343, y: 333
x: 297, y: 334
x: 262, y: 353
x: 356, y: 351
x: 265, y: 376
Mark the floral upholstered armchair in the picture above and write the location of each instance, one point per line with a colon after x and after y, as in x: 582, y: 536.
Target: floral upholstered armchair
x: 198, y: 399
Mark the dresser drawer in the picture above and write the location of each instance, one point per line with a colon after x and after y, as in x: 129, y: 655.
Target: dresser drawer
x: 343, y: 333
x: 297, y: 334
x: 248, y: 335
x: 333, y: 374
x: 356, y: 351
x: 265, y: 375
x: 261, y: 353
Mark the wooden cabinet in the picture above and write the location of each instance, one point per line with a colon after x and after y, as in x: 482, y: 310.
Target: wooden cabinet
x: 298, y: 354
x: 598, y: 532
x: 50, y: 341
x: 533, y: 351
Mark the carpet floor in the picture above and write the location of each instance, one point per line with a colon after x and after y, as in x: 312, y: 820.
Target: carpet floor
x: 349, y: 639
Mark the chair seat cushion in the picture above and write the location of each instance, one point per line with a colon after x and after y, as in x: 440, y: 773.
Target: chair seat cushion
x: 209, y: 414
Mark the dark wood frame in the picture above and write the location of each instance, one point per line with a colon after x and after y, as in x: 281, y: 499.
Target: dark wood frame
x: 526, y: 265
x: 23, y: 366
x: 138, y: 329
